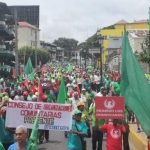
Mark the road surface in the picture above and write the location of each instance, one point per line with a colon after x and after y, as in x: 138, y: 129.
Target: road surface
x: 57, y: 141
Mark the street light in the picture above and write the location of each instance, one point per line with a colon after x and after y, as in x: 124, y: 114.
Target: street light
x: 101, y: 38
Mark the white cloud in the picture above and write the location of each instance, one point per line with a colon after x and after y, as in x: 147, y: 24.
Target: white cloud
x: 79, y: 19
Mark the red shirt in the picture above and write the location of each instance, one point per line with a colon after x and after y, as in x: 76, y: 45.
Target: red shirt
x: 114, y: 136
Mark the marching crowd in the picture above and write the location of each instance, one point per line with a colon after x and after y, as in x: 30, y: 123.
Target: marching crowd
x: 82, y: 86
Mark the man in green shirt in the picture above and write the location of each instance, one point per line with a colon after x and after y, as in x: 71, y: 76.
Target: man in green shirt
x: 97, y: 135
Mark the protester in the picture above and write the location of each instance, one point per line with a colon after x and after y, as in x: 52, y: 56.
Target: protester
x: 78, y: 132
x: 6, y: 134
x: 114, y: 135
x: 85, y: 117
x: 21, y: 139
x: 97, y: 135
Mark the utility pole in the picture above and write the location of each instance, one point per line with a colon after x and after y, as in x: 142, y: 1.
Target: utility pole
x: 101, y: 63
x: 36, y: 48
x: 85, y: 58
x: 16, y: 44
x: 80, y: 58
x: 101, y: 38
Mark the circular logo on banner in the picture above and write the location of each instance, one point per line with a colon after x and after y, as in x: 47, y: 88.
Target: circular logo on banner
x: 109, y: 104
x: 115, y: 133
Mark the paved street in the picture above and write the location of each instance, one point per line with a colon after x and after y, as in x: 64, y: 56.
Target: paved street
x: 58, y: 142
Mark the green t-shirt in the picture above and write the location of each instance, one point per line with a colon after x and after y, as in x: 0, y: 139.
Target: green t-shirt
x: 92, y: 112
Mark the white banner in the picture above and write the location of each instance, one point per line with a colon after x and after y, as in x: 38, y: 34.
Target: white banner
x: 52, y: 116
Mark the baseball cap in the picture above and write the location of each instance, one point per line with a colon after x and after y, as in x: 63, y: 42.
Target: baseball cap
x: 80, y: 103
x: 77, y: 112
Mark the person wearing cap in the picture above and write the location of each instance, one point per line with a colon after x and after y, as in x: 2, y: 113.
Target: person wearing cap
x: 84, y: 95
x: 85, y: 116
x: 78, y: 132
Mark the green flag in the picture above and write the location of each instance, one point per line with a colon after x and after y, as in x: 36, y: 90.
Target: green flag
x: 134, y: 86
x: 20, y: 78
x: 31, y: 76
x: 62, y: 95
x: 69, y: 68
x: 33, y: 140
x: 28, y: 67
x: 1, y: 146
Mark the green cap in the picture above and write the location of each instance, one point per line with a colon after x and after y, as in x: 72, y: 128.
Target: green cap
x: 77, y: 111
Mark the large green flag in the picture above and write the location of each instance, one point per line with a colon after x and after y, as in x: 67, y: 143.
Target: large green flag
x: 134, y: 86
x: 33, y: 140
x: 1, y: 146
x: 28, y: 67
x: 62, y: 95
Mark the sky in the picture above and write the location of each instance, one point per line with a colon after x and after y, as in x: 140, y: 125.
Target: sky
x: 80, y: 19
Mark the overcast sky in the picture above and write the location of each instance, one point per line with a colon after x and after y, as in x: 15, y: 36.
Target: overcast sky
x: 79, y: 19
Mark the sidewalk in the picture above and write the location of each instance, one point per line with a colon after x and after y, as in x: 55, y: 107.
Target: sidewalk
x: 138, y: 141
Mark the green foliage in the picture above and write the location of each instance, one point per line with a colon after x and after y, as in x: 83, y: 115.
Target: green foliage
x: 91, y: 42
x: 26, y: 52
x: 67, y: 44
x: 145, y: 54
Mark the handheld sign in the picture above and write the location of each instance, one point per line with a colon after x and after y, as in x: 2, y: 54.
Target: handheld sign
x: 52, y: 116
x: 109, y: 107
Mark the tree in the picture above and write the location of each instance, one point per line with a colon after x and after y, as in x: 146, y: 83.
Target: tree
x: 144, y: 56
x: 26, y: 52
x: 91, y: 42
x: 67, y: 44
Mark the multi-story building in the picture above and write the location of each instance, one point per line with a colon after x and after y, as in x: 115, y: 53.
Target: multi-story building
x: 51, y: 48
x: 117, y: 30
x: 28, y: 35
x: 7, y: 40
x: 26, y: 13
x: 114, y: 51
x: 60, y: 54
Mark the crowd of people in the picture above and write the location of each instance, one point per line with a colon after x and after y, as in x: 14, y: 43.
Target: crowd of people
x: 82, y: 86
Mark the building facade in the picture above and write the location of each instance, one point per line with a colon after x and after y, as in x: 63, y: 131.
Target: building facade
x: 117, y: 30
x: 51, y: 48
x: 7, y: 40
x: 60, y: 54
x: 26, y: 13
x: 28, y: 35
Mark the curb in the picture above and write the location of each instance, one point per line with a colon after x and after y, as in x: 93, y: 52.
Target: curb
x: 136, y: 142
